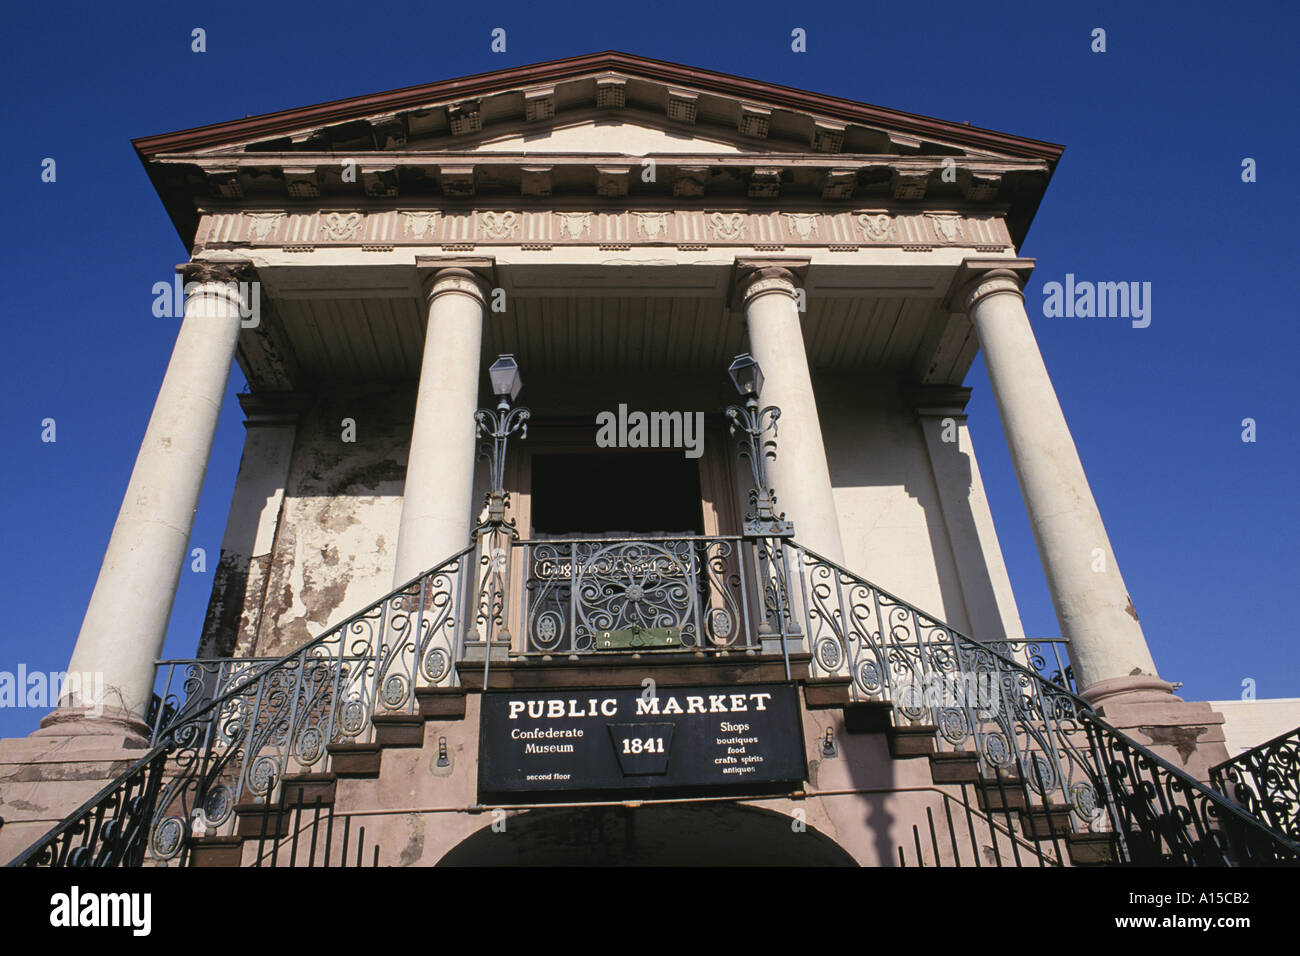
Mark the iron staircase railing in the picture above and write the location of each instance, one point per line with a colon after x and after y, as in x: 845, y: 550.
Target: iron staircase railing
x: 244, y: 727
x: 1073, y: 771
x: 1265, y: 780
x: 243, y: 724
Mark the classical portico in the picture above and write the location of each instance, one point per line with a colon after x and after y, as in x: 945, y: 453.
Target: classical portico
x: 872, y: 256
x: 623, y: 230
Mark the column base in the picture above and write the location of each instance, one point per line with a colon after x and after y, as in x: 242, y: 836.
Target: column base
x: 1187, y: 734
x: 1136, y: 689
x: 113, y: 728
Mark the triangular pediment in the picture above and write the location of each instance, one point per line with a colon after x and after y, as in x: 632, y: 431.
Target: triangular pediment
x: 523, y: 129
x: 712, y: 106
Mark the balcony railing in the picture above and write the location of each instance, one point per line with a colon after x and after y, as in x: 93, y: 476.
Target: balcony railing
x: 593, y: 595
x: 243, y: 729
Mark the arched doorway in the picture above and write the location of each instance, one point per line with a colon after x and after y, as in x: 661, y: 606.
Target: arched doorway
x: 715, y: 834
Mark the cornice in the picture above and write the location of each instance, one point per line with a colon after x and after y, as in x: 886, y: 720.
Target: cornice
x: 803, y: 143
x: 686, y: 79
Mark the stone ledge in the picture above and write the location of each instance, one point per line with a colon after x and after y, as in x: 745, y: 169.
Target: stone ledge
x: 668, y: 668
x: 1148, y: 714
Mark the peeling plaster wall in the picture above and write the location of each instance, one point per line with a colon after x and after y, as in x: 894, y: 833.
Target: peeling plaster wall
x: 336, y: 536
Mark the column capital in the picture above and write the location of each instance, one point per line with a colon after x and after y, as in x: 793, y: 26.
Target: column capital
x: 220, y: 279
x: 978, y: 277
x: 474, y: 277
x: 204, y: 271
x: 755, y: 277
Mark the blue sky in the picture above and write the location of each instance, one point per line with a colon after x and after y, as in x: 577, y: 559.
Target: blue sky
x: 1149, y: 190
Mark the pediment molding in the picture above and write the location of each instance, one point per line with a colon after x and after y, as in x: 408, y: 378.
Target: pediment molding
x: 519, y: 131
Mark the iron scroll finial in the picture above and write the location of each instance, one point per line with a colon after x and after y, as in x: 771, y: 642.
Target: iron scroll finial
x: 751, y: 426
x: 493, y: 430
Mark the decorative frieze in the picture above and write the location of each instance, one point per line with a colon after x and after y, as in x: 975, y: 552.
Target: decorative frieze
x: 649, y: 225
x: 727, y: 226
x: 498, y: 225
x: 341, y: 226
x: 667, y: 227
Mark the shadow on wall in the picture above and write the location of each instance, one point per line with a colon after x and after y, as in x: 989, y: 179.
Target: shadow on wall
x: 879, y: 467
x: 699, y: 835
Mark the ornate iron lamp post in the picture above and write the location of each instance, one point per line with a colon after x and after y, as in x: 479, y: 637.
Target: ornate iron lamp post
x: 750, y: 424
x: 764, y: 527
x: 494, y: 431
x: 496, y: 532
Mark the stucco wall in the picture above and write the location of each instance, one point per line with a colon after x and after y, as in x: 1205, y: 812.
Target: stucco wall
x: 1249, y: 723
x: 892, y: 520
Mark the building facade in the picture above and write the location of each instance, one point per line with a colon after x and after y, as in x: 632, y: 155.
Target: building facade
x: 719, y: 583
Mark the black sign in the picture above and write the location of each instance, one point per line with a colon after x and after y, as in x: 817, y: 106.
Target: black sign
x: 633, y: 738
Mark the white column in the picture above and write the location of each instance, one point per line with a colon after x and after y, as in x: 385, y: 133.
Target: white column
x: 437, y: 503
x: 799, y: 474
x: 1107, y: 647
x: 126, y: 622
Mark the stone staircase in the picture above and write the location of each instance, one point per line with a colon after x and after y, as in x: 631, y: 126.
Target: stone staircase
x: 372, y: 730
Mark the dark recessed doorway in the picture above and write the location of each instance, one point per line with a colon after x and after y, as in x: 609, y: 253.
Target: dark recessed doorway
x: 623, y: 492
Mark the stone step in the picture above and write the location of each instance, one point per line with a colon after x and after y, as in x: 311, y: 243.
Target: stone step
x: 958, y: 767
x: 441, y: 703
x: 302, y: 789
x: 355, y: 760
x: 1091, y: 849
x: 868, y: 717
x: 1039, y: 823
x: 250, y: 818
x: 1010, y: 796
x: 399, y: 730
x: 216, y: 851
x: 913, y: 740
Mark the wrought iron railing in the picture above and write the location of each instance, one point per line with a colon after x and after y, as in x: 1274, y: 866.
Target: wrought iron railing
x: 1035, y: 651
x: 112, y: 828
x: 688, y: 593
x: 1266, y: 781
x: 1073, y: 771
x: 244, y: 727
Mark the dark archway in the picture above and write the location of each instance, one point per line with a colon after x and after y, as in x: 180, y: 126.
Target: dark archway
x: 678, y: 835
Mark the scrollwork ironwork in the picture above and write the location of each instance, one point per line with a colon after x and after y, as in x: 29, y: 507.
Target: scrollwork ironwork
x: 1265, y: 780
